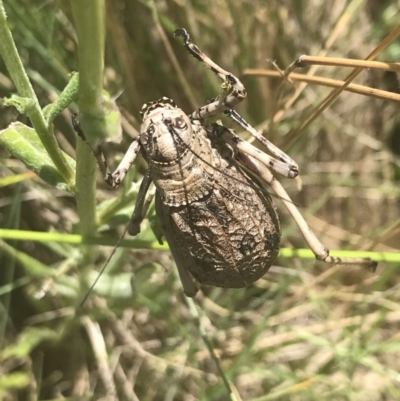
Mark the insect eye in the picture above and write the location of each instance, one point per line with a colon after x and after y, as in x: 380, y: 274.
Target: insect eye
x: 180, y: 123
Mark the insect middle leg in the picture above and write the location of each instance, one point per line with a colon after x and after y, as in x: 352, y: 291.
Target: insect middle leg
x: 142, y: 201
x: 142, y: 204
x: 285, y: 165
x: 261, y: 170
x: 237, y: 143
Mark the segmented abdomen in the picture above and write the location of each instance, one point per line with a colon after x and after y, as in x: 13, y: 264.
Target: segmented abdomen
x: 229, y: 238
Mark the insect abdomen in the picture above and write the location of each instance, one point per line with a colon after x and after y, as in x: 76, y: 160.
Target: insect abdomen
x: 229, y: 238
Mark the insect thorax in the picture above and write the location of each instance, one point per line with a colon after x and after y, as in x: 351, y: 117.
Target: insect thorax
x: 179, y: 154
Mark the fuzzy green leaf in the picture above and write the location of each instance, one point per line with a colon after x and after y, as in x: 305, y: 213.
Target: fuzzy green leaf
x: 22, y: 104
x: 66, y: 97
x: 24, y: 144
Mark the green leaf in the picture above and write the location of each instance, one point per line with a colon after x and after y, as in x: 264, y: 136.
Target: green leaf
x: 24, y: 144
x: 115, y: 286
x: 22, y: 104
x: 14, y: 179
x: 32, y: 266
x: 66, y: 97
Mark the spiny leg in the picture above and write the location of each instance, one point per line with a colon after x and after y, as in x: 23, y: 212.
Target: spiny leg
x: 319, y: 250
x: 119, y: 174
x: 238, y: 143
x: 282, y: 156
x: 236, y: 90
x: 149, y: 198
x: 141, y: 205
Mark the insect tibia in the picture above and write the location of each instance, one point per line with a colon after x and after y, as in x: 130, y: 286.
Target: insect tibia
x: 142, y: 205
x: 115, y: 179
x: 190, y: 47
x: 231, y: 98
x: 282, y: 163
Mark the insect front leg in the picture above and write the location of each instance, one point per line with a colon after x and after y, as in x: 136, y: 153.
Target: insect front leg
x: 236, y: 91
x: 319, y: 250
x: 119, y: 174
x: 142, y: 203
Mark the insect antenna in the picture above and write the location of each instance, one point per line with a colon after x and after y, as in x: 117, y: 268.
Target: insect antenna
x: 102, y: 162
x: 105, y: 264
x: 176, y: 138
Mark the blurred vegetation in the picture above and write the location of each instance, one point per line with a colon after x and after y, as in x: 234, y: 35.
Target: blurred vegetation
x: 306, y: 331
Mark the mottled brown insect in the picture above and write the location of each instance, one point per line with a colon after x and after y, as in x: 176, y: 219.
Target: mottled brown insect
x: 219, y: 221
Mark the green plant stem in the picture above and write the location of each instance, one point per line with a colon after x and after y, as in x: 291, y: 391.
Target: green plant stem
x: 86, y: 168
x: 89, y: 16
x: 22, y: 235
x: 89, y: 24
x: 90, y: 27
x: 16, y: 70
x: 35, y: 267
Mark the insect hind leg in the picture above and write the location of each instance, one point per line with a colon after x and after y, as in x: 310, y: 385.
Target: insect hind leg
x: 320, y: 251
